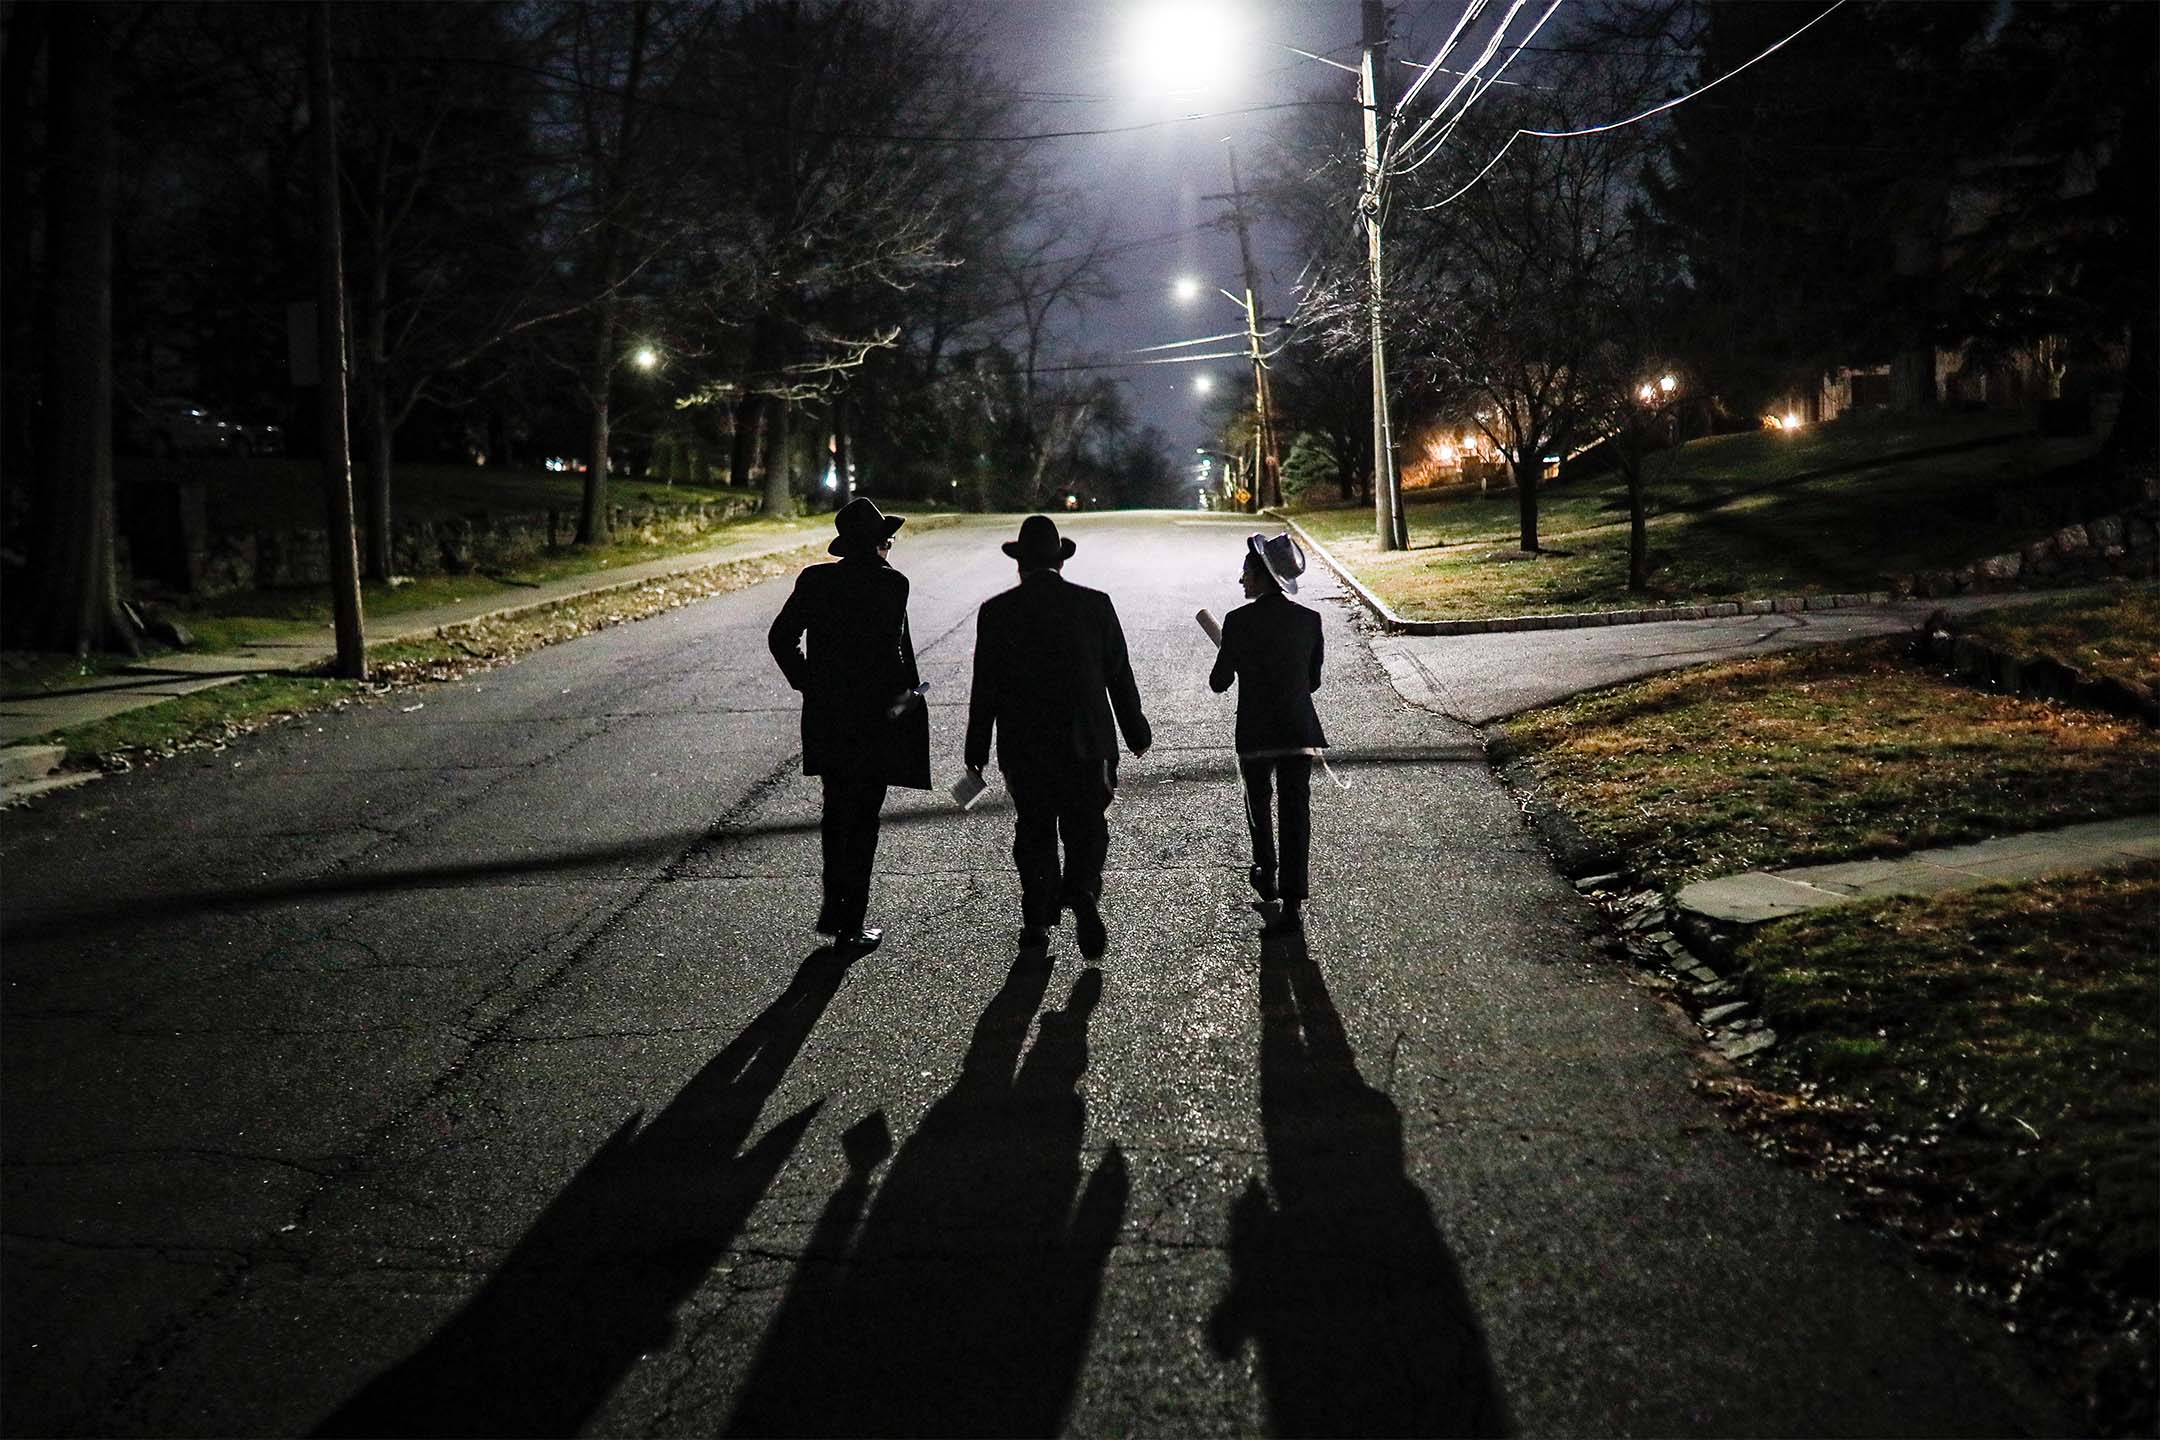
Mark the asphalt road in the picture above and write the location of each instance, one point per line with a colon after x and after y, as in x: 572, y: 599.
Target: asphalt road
x: 465, y: 1064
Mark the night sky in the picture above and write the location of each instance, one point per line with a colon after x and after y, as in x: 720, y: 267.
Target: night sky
x: 1082, y: 67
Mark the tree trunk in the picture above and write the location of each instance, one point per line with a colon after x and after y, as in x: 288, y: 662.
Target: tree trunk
x: 80, y: 609
x: 377, y: 407
x: 779, y: 498
x: 1527, y: 464
x: 592, y: 515
x: 1638, y: 546
x: 331, y: 352
x: 742, y: 447
x: 18, y: 362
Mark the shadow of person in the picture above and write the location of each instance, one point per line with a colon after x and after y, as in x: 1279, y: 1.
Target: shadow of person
x: 594, y: 1283
x: 1342, y: 1282
x: 965, y: 1303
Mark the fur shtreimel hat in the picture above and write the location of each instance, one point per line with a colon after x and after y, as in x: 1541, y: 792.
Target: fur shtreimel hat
x: 862, y: 526
x: 1284, y: 560
x: 1039, y: 546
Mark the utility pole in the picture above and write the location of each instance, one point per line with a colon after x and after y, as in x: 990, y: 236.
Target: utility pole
x: 330, y: 341
x: 1268, y: 491
x: 1387, y: 484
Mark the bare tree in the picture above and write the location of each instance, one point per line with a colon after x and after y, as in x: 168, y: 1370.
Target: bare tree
x: 79, y: 604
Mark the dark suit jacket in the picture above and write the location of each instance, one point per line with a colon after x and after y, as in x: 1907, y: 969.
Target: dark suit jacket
x: 853, y: 616
x: 1050, y: 669
x: 1272, y: 649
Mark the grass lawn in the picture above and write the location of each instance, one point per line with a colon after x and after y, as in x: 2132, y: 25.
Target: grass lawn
x: 1831, y: 753
x: 2116, y: 635
x: 275, y: 492
x: 1831, y: 509
x: 212, y: 716
x: 2003, y: 1045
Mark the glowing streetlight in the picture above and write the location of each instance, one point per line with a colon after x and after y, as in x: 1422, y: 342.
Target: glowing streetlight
x: 1183, y: 47
x: 1186, y: 289
x: 1203, y: 384
x: 646, y: 357
x: 1667, y: 384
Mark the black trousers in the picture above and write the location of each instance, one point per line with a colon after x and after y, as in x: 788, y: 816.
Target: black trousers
x: 1290, y: 776
x: 848, y: 829
x: 1066, y: 805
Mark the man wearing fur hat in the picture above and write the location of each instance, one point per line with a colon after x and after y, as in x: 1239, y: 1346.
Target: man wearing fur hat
x: 864, y: 725
x: 1051, y: 672
x: 1271, y: 649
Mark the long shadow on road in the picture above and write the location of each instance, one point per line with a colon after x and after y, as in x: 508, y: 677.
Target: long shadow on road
x: 596, y: 1281
x: 1342, y: 1281
x: 23, y: 921
x: 964, y: 1305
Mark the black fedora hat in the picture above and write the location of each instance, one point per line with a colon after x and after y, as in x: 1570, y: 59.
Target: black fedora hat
x: 1039, y: 544
x: 862, y: 526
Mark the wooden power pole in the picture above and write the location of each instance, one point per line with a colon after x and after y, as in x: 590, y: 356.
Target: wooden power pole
x: 1387, y: 483
x: 330, y: 338
x: 1268, y: 489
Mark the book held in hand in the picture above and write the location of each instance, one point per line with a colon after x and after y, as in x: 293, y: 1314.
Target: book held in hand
x: 967, y: 790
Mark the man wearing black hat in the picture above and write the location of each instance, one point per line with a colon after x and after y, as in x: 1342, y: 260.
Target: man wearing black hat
x: 1050, y: 672
x: 864, y: 727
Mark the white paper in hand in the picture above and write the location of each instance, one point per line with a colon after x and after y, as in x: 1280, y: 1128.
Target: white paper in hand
x: 1208, y: 623
x: 967, y: 790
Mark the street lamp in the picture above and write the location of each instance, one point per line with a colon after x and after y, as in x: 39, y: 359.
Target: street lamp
x: 646, y: 358
x: 1203, y: 384
x: 1186, y: 289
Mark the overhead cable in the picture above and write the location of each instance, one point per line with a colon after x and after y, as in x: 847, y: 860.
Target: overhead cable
x: 1632, y: 119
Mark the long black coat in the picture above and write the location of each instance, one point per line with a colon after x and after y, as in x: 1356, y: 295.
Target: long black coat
x: 853, y: 617
x: 1272, y: 649
x: 1050, y: 671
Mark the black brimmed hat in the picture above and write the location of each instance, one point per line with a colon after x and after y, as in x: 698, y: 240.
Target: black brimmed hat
x: 1284, y: 560
x: 863, y: 527
x: 1039, y: 546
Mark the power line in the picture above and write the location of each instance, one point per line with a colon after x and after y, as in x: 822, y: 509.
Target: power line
x: 1617, y: 124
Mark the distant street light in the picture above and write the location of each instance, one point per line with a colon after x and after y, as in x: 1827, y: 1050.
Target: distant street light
x: 1202, y: 384
x: 646, y: 358
x: 1186, y: 289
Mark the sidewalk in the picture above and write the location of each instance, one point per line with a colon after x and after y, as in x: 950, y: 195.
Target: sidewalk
x: 170, y: 676
x: 1763, y: 895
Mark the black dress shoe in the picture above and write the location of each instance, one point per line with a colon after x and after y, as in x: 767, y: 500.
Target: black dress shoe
x: 863, y: 937
x: 1088, y: 929
x: 1263, y: 881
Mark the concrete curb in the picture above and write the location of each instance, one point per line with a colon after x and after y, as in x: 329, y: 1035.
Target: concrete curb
x: 1578, y: 620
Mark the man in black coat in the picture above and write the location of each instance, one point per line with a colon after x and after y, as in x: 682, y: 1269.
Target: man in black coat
x: 1050, y: 673
x: 864, y: 727
x: 1272, y: 650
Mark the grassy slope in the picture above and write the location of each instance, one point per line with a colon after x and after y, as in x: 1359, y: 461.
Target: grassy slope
x: 2115, y: 635
x: 2002, y: 1049
x: 1824, y: 754
x: 1810, y: 511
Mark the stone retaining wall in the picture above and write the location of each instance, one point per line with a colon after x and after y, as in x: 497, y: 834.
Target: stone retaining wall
x: 2126, y: 543
x: 269, y: 559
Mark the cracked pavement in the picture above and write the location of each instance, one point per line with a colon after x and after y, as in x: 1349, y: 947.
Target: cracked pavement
x: 475, y: 1069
